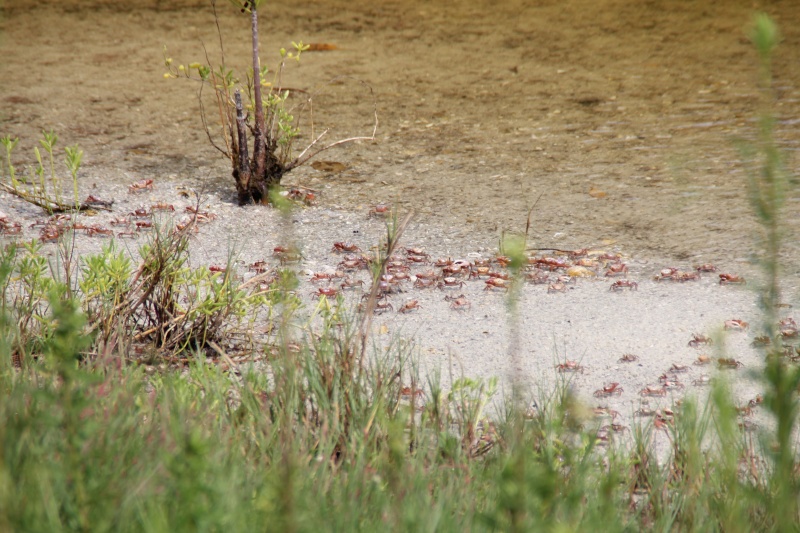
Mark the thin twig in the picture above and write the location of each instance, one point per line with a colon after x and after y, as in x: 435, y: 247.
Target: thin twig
x: 303, y: 158
x: 530, y: 212
x: 226, y: 153
x: 548, y: 250
x: 50, y: 205
x: 392, y: 241
x: 219, y: 33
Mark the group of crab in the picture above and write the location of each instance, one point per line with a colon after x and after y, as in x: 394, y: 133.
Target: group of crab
x: 788, y: 334
x: 681, y: 276
x: 558, y: 272
x: 670, y: 381
x: 397, y: 276
x: 417, y: 269
x: 448, y: 274
x: 8, y: 226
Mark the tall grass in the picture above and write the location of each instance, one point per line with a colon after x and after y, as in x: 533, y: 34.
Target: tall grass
x: 326, y: 435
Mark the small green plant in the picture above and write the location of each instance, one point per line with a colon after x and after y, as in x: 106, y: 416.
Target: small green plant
x: 26, y: 293
x: 44, y: 186
x: 265, y: 117
x: 470, y: 397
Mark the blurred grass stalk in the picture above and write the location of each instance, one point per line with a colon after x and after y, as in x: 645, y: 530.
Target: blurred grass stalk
x: 768, y: 186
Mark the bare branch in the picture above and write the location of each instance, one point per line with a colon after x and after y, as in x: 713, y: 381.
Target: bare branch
x: 50, y: 205
x: 297, y: 162
x: 243, y: 178
x: 205, y: 124
x: 219, y: 33
x: 222, y: 105
x: 303, y: 158
x: 259, y: 141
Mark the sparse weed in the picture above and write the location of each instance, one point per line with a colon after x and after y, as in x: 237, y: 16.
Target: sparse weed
x: 44, y: 185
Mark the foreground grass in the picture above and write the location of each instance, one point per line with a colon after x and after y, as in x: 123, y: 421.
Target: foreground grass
x: 315, y: 447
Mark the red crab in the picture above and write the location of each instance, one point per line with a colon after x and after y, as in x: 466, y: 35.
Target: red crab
x: 320, y: 276
x: 429, y: 275
x: 623, y: 284
x: 329, y: 292
x: 453, y: 270
x: 617, y: 269
x: 460, y: 304
x: 379, y: 210
x: 343, y: 247
x: 557, y: 287
x: 142, y: 185
x: 408, y: 392
x: 702, y: 360
x: 479, y: 271
x: 687, y: 276
x: 602, y: 412
x: 736, y: 324
x: 496, y: 283
x: 537, y: 277
x: 351, y: 284
x: 416, y: 251
x: 99, y: 230
x: 409, y: 306
x: 162, y: 206
x: 609, y: 390
x: 422, y: 283
x: 699, y: 340
x: 550, y: 263
x: 653, y: 391
x: 730, y: 363
x: 570, y: 366
x: 502, y: 260
x: 667, y: 273
x: 450, y: 283
x: 707, y: 267
x: 8, y: 227
x: 382, y: 307
x: 726, y: 279
x: 259, y: 267
x: 304, y: 195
